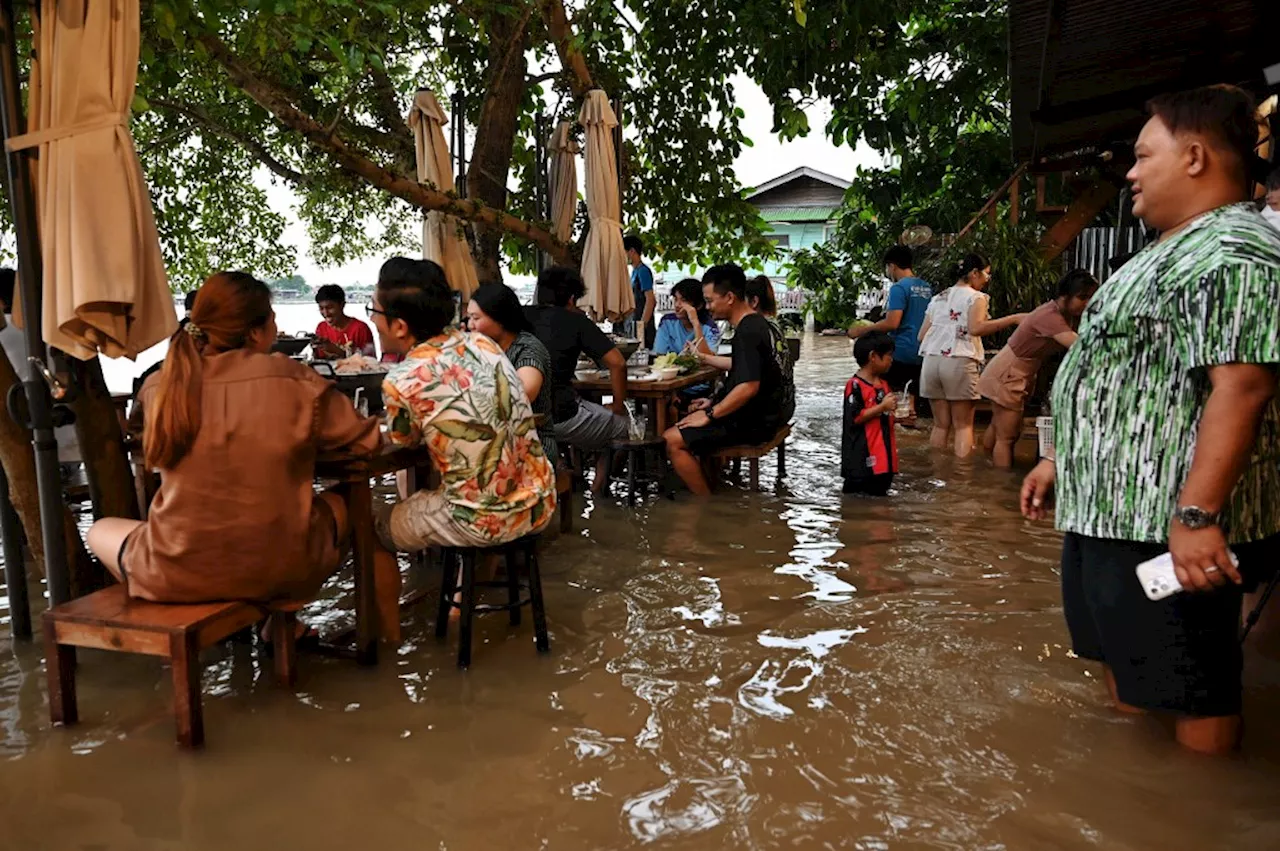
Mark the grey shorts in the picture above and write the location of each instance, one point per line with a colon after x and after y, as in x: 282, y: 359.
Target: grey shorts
x: 423, y: 520
x: 949, y: 379
x: 593, y: 427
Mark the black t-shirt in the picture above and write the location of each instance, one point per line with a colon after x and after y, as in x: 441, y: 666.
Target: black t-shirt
x: 760, y: 354
x: 566, y: 334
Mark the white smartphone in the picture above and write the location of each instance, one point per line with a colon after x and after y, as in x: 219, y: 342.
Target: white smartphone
x: 1158, y: 578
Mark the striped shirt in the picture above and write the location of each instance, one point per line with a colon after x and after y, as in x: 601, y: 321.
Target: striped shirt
x: 1129, y: 396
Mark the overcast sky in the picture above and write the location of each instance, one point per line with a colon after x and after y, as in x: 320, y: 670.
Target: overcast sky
x: 768, y: 159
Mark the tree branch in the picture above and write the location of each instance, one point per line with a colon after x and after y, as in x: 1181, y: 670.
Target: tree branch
x: 570, y: 57
x: 203, y: 119
x: 542, y: 78
x: 272, y: 99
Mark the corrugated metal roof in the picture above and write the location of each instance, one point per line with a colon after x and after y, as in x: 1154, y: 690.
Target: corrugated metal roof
x: 798, y: 214
x: 1105, y: 59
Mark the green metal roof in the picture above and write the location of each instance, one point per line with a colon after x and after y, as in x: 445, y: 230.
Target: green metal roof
x: 798, y: 214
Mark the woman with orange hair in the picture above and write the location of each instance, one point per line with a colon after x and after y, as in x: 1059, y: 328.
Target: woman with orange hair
x: 234, y: 432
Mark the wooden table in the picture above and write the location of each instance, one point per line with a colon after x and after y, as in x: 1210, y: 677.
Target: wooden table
x: 658, y: 394
x: 357, y: 474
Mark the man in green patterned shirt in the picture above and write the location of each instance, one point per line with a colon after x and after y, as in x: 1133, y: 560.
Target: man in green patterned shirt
x: 1167, y: 429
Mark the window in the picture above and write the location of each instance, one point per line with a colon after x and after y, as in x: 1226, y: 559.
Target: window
x: 828, y: 231
x: 782, y: 240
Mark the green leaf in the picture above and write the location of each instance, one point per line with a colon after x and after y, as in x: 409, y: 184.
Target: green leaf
x: 459, y: 475
x: 502, y: 391
x: 465, y: 430
x: 525, y: 426
x: 802, y: 17
x: 492, y: 457
x: 139, y: 104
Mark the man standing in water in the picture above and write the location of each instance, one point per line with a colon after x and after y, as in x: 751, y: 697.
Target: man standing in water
x: 642, y: 289
x: 1167, y: 428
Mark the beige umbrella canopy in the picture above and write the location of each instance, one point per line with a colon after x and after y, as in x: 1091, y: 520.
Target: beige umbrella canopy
x: 604, y: 262
x: 442, y: 237
x: 563, y: 181
x: 105, y: 288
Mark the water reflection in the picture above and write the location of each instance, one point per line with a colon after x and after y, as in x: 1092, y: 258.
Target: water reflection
x: 796, y: 669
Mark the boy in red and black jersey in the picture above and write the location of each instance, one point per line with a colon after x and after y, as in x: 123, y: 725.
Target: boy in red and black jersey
x: 868, y: 449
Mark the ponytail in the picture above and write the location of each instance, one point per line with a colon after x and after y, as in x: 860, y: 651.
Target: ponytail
x: 228, y: 306
x: 175, y: 414
x: 968, y: 263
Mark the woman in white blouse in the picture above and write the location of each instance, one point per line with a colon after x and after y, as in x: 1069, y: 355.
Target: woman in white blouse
x: 951, y: 343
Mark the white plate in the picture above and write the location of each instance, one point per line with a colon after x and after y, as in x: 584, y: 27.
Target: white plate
x: 643, y: 378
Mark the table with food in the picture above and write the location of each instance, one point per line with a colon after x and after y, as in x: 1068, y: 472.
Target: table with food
x: 655, y: 385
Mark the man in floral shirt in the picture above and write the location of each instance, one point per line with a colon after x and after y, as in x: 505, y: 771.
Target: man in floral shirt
x: 457, y: 394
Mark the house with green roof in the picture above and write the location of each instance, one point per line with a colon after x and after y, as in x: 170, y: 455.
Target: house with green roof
x: 800, y: 207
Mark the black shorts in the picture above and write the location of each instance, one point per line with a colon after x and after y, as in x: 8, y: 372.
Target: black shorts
x: 871, y: 486
x: 900, y: 373
x: 722, y: 434
x: 1181, y: 654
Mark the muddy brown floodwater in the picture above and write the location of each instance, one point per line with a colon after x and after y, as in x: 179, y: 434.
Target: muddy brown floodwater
x: 793, y: 670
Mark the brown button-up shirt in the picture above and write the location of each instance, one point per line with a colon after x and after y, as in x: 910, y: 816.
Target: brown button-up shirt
x: 234, y: 520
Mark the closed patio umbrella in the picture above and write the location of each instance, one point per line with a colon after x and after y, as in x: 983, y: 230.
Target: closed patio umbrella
x: 564, y: 181
x: 604, y: 262
x: 104, y: 285
x: 442, y: 237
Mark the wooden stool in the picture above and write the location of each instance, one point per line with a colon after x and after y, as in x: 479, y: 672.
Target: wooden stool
x: 465, y: 558
x: 753, y: 454
x: 564, y: 494
x: 637, y: 452
x: 110, y: 620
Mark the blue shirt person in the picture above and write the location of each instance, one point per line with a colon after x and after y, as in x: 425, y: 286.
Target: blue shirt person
x: 642, y: 289
x: 904, y: 315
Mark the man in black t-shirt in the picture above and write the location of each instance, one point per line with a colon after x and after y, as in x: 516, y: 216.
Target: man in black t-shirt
x: 753, y: 403
x: 568, y: 332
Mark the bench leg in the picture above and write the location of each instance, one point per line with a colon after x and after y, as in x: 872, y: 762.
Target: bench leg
x: 468, y: 608
x: 60, y: 669
x: 782, y: 460
x: 535, y: 601
x: 188, y: 713
x: 448, y: 579
x: 566, y: 511
x: 513, y: 584
x: 753, y: 466
x: 284, y: 645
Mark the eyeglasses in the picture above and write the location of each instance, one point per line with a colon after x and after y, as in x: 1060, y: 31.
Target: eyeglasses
x: 373, y: 311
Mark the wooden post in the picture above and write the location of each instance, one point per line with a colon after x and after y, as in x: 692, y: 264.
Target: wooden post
x: 1015, y: 200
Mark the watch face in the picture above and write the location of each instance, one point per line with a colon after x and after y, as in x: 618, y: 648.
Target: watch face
x: 1196, y: 518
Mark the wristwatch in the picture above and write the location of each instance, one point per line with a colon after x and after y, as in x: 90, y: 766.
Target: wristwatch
x: 1195, y: 517
x: 710, y: 411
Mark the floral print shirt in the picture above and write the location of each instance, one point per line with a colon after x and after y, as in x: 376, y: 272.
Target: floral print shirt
x: 458, y: 395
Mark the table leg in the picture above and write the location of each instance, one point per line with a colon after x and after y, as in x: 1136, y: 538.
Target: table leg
x: 360, y: 510
x: 660, y: 415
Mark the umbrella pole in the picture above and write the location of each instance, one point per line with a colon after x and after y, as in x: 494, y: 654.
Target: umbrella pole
x: 30, y: 275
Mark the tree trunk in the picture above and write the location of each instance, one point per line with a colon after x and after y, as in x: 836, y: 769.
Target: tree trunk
x: 20, y: 466
x: 102, y: 443
x: 496, y: 132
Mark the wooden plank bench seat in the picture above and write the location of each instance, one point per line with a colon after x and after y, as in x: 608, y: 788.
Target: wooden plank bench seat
x: 753, y: 454
x: 110, y: 620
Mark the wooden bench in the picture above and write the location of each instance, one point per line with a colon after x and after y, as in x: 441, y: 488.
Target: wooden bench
x: 753, y: 454
x: 110, y: 620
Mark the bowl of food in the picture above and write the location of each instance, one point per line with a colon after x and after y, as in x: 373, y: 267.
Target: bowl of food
x: 666, y: 373
x: 291, y: 346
